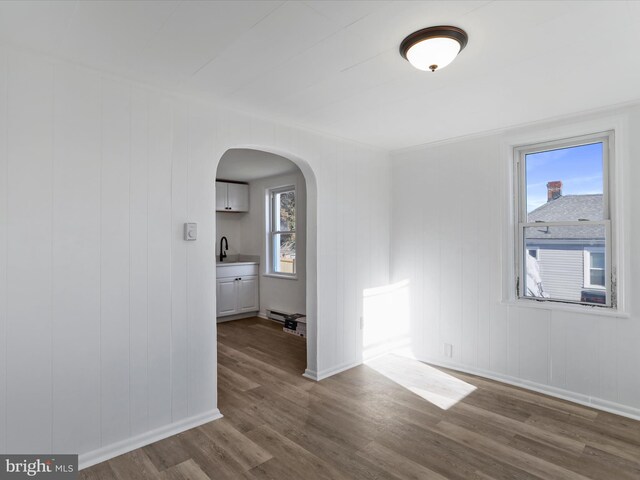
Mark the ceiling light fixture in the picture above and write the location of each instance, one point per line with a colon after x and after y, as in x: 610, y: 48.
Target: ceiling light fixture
x: 433, y: 48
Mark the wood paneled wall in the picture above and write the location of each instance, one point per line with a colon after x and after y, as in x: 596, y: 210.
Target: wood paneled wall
x: 450, y: 225
x: 107, y: 317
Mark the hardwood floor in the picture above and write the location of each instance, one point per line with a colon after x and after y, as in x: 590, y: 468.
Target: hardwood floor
x: 360, y: 424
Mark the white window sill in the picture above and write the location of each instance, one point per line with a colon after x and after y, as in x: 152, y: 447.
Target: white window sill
x: 277, y: 275
x: 564, y: 307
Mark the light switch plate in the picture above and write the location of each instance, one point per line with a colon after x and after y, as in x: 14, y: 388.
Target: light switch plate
x: 190, y: 231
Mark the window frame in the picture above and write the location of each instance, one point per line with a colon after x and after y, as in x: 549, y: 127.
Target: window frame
x: 587, y: 267
x: 520, y: 152
x: 273, y: 230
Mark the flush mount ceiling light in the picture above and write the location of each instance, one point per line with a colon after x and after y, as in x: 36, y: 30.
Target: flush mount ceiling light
x: 433, y: 48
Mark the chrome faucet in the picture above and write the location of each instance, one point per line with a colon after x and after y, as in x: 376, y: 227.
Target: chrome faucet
x: 223, y: 253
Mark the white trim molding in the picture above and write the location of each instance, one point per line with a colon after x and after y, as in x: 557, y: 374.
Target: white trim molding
x: 109, y: 451
x: 317, y: 376
x: 615, y: 181
x: 311, y: 375
x: 587, y: 267
x: 273, y: 229
x: 586, y: 400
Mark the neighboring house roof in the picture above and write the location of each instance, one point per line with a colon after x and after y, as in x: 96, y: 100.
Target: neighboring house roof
x: 568, y: 208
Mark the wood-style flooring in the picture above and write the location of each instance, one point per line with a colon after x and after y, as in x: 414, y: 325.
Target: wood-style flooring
x: 361, y: 424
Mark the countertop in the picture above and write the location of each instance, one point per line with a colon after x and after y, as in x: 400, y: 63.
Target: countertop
x: 238, y: 260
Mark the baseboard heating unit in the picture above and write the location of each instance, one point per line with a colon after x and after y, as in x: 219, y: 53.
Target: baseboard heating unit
x: 278, y: 316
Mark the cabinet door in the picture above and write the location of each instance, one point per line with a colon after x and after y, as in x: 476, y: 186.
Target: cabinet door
x: 238, y: 197
x: 226, y: 296
x: 248, y: 297
x: 221, y: 197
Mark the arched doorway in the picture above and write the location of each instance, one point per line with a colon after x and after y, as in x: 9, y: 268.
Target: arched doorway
x: 261, y: 248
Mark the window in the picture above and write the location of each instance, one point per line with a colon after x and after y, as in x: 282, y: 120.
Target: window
x: 594, y: 271
x: 563, y: 221
x: 282, y: 231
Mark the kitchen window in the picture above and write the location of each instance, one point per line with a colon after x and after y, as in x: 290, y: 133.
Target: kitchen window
x: 564, y: 248
x: 282, y: 231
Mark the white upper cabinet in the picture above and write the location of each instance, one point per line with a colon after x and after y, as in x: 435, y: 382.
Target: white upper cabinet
x: 232, y: 197
x: 238, y: 197
x: 221, y: 196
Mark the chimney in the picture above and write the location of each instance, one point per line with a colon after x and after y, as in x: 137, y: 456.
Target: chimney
x: 554, y: 190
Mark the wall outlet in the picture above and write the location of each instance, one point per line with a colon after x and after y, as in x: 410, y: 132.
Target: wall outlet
x: 448, y: 350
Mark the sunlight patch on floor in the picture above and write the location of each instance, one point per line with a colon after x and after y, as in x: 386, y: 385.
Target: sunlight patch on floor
x: 435, y: 386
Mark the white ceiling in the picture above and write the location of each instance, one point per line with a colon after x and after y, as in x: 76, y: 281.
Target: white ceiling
x: 334, y: 66
x: 245, y: 165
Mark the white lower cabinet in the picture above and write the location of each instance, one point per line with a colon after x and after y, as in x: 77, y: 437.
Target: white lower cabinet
x: 227, y: 296
x: 248, y: 294
x: 237, y: 295
x: 237, y: 288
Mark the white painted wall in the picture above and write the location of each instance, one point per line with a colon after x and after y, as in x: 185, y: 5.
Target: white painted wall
x: 451, y: 226
x: 107, y: 317
x: 231, y: 225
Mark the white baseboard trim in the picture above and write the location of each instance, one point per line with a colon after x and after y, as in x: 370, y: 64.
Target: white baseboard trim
x: 310, y: 374
x: 237, y: 316
x: 328, y: 372
x: 586, y: 400
x: 109, y: 451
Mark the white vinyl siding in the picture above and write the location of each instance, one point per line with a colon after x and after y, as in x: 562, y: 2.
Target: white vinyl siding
x: 562, y: 267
